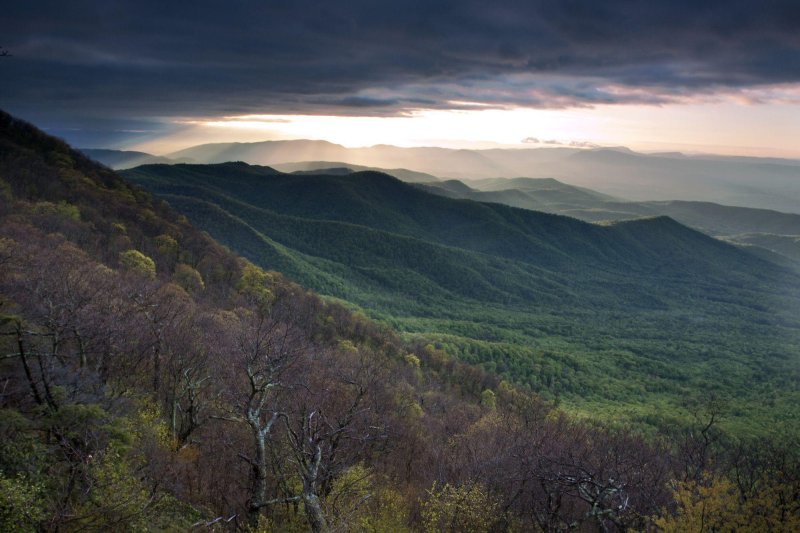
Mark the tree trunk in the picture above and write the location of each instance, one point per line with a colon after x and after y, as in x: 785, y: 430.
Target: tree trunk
x: 173, y: 418
x: 316, y: 518
x: 258, y: 489
x: 81, y: 349
x: 27, y: 368
x: 157, y: 367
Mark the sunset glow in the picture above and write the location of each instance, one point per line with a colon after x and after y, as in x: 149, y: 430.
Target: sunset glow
x: 726, y: 127
x: 651, y: 77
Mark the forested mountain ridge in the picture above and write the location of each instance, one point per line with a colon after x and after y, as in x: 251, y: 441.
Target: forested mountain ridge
x: 124, y: 159
x: 153, y: 380
x: 118, y: 159
x: 381, y: 202
x: 773, y: 230
x: 761, y: 228
x: 624, y: 320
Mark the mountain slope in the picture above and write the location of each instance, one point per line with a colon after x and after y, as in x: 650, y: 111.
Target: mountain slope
x: 540, y: 194
x: 129, y: 339
x: 121, y: 159
x: 384, y: 203
x: 772, y: 230
x: 322, y: 167
x: 144, y: 365
x: 624, y: 318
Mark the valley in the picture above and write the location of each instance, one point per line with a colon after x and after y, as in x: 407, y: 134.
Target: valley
x: 620, y: 320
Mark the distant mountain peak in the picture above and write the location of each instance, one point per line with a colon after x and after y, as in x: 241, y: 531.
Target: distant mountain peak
x: 617, y: 171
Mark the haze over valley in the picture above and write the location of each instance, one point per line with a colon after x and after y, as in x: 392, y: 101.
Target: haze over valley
x: 767, y: 183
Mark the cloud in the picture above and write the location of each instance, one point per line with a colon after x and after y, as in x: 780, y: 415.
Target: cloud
x: 377, y: 57
x: 583, y: 144
x: 554, y: 142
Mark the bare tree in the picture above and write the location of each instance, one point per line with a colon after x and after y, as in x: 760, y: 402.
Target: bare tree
x: 334, y: 420
x: 264, y: 350
x: 189, y: 384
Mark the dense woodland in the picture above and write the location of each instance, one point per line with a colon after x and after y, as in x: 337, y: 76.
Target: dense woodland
x: 620, y: 320
x: 757, y: 230
x: 152, y: 380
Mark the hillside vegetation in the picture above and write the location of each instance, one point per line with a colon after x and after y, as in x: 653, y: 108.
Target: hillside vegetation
x: 625, y: 320
x: 152, y: 380
x: 765, y: 229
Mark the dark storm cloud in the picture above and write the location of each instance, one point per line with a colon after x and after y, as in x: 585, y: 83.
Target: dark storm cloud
x: 88, y: 61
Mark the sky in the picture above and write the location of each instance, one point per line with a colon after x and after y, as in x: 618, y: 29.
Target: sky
x: 693, y: 76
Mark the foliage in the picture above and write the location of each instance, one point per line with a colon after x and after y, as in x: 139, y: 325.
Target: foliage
x: 135, y: 261
x: 116, y: 497
x: 715, y: 504
x: 255, y: 283
x: 488, y: 399
x: 21, y: 504
x: 348, y: 493
x: 469, y: 508
x: 61, y: 209
x: 188, y: 278
x: 386, y: 510
x: 412, y: 360
x: 166, y: 245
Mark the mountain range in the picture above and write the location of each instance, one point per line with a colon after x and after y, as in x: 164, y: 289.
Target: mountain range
x: 625, y: 318
x: 774, y: 234
x: 763, y: 231
x: 767, y: 183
